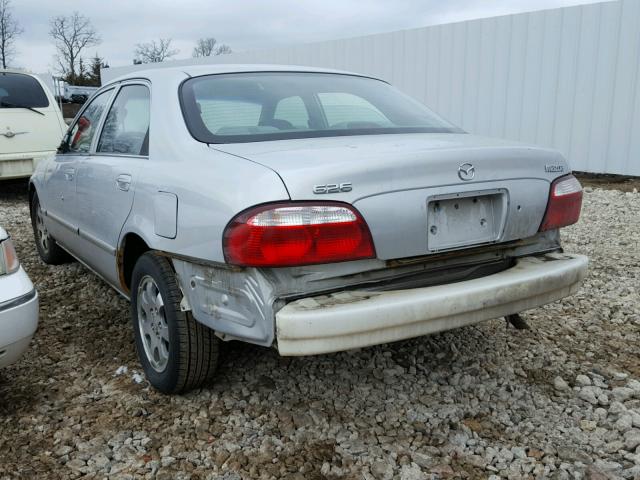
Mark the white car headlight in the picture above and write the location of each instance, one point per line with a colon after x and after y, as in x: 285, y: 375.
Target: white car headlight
x: 9, y: 262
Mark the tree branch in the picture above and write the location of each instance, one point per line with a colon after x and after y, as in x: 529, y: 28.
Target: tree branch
x: 72, y: 34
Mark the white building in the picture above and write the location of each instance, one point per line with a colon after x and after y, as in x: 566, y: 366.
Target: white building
x: 567, y: 78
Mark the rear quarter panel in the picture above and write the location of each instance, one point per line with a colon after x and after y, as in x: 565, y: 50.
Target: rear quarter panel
x: 211, y: 187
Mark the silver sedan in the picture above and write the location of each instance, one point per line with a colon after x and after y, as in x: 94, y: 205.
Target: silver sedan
x: 306, y: 209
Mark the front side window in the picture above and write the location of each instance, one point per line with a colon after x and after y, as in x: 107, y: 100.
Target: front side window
x: 83, y: 131
x: 250, y: 107
x: 126, y: 128
x: 21, y: 91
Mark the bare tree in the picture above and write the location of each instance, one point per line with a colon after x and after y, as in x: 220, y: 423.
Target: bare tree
x: 206, y: 47
x: 154, y: 52
x: 223, y: 50
x: 9, y: 30
x: 71, y: 35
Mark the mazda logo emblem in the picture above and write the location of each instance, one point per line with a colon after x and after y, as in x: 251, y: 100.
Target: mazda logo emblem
x: 466, y: 172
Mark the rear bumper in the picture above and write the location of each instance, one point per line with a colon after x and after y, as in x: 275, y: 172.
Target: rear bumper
x: 18, y: 315
x: 11, y: 353
x: 20, y: 165
x: 356, y: 319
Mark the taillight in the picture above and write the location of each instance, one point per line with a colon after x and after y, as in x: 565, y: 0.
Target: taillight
x: 290, y: 234
x: 565, y: 202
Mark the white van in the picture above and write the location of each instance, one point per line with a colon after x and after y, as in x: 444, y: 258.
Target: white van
x: 31, y: 125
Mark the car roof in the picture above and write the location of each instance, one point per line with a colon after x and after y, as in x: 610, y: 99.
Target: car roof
x: 212, y: 69
x: 13, y: 70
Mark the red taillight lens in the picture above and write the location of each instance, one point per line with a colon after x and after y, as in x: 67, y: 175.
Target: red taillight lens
x: 290, y: 234
x: 565, y: 202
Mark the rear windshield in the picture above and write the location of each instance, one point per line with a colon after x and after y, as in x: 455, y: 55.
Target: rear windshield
x: 253, y: 107
x: 18, y: 90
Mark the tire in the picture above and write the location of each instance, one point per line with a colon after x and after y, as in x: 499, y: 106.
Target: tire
x: 177, y: 353
x: 50, y: 252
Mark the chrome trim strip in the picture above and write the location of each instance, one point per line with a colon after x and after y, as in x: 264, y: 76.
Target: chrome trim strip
x: 61, y: 221
x: 16, y: 302
x: 97, y: 242
x: 86, y: 236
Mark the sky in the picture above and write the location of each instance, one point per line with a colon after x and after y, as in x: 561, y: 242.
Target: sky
x: 241, y: 24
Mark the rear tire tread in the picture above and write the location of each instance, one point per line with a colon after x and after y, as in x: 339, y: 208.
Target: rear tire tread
x: 198, y: 347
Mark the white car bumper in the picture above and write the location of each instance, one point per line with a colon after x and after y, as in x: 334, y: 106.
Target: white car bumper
x: 18, y: 315
x: 21, y: 165
x: 347, y: 320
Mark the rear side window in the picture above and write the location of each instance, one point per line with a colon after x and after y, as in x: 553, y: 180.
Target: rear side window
x: 84, y: 129
x: 19, y: 90
x: 126, y: 128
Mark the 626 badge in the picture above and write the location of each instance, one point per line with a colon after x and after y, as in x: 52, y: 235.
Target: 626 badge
x: 332, y: 188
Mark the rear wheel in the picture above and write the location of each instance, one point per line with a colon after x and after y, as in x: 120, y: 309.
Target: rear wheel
x: 50, y: 252
x: 177, y: 353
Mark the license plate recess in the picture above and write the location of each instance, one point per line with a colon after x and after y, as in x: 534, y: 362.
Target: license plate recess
x: 465, y: 219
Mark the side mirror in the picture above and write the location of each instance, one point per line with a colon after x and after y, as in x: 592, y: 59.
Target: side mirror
x: 64, y: 144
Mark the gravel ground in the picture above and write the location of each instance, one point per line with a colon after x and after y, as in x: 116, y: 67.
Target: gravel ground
x: 559, y: 401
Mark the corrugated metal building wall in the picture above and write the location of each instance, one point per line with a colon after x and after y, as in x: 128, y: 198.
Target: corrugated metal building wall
x: 566, y: 78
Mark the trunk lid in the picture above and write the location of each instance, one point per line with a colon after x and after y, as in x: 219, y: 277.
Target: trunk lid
x: 410, y: 190
x: 24, y: 131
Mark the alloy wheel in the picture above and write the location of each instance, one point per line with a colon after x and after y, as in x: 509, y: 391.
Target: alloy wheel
x: 152, y: 322
x: 44, y: 239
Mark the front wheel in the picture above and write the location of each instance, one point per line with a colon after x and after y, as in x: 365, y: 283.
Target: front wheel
x: 177, y: 353
x: 50, y: 252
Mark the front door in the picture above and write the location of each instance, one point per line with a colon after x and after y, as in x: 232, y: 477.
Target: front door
x: 106, y: 179
x: 60, y: 203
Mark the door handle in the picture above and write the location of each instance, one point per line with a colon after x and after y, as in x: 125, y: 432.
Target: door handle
x: 124, y: 182
x: 69, y: 173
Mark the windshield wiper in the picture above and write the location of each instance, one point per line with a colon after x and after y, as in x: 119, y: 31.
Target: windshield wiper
x: 11, y: 105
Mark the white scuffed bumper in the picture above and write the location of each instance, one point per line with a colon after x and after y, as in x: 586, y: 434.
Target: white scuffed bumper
x: 18, y: 315
x: 21, y: 165
x: 355, y: 319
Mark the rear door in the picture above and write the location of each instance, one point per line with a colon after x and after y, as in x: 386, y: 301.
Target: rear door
x: 59, y: 195
x: 106, y: 178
